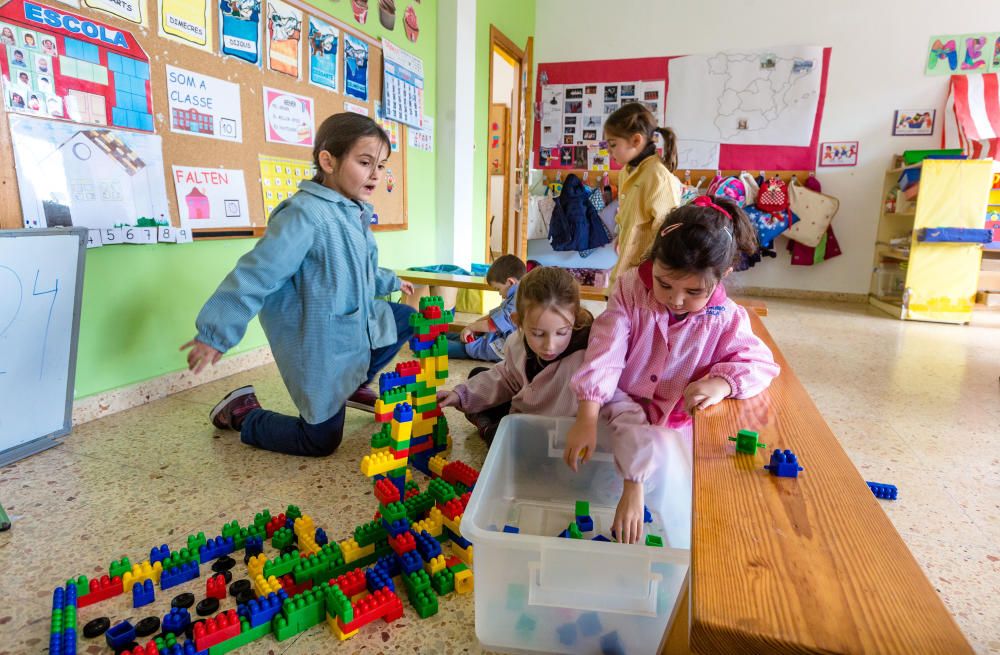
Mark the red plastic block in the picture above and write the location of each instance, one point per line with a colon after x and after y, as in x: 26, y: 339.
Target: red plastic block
x: 101, y: 589
x: 149, y: 649
x: 409, y: 368
x: 452, y: 508
x: 400, y: 454
x: 410, y: 493
x: 459, y: 472
x: 431, y: 312
x: 434, y: 413
x: 382, y: 604
x: 274, y: 525
x: 386, y: 491
x: 421, y: 447
x: 403, y: 543
x: 383, y: 418
x: 465, y: 498
x: 351, y: 583
x: 452, y: 561
x: 215, y: 587
x: 292, y: 589
x: 216, y: 629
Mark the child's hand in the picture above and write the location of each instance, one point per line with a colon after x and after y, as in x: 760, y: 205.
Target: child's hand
x: 447, y: 399
x: 580, y: 442
x: 705, y: 393
x: 406, y: 287
x: 201, y: 355
x: 466, y: 335
x: 627, y: 526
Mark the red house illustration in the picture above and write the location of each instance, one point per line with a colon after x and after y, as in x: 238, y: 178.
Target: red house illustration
x: 197, y: 204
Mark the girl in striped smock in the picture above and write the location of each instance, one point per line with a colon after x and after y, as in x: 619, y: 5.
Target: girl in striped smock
x: 670, y: 342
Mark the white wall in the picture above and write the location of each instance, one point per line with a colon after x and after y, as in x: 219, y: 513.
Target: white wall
x: 503, y: 80
x: 876, y: 67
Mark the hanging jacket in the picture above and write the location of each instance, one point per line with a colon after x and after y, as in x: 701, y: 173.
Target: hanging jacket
x: 575, y: 223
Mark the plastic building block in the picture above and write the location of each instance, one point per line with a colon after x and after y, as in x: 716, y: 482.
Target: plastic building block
x: 515, y: 530
x: 281, y: 565
x: 574, y: 531
x: 142, y: 593
x: 746, y: 442
x: 647, y: 517
x: 463, y: 580
x: 353, y: 552
x: 182, y: 556
x: 434, y: 564
x: 80, y: 583
x: 176, y: 621
x: 784, y: 464
x: 377, y: 578
x: 582, y: 508
x: 379, y: 464
x: 292, y: 588
x: 247, y: 635
x: 100, y: 589
x: 386, y: 492
x: 443, y: 582
x: 881, y: 490
x: 427, y: 546
x: 397, y: 527
x: 370, y: 533
x: 567, y: 634
x: 589, y: 624
x: 215, y: 587
x: 320, y: 538
x: 382, y: 604
x: 525, y: 624
x: 275, y: 524
x: 611, y: 644
x: 584, y: 523
x: 351, y: 583
x: 261, y: 610
x: 179, y: 575
x: 460, y: 472
x: 601, y: 537
x: 196, y: 541
x: 517, y: 597
x: 410, y: 561
x: 654, y: 540
x: 118, y: 568
x: 263, y: 587
x: 216, y: 629
x: 215, y: 548
x: 119, y: 634
x: 142, y: 572
x: 394, y: 511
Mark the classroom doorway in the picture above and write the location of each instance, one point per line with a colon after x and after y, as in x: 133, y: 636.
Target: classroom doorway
x: 507, y: 146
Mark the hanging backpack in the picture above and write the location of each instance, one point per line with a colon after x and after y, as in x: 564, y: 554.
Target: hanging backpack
x: 773, y: 196
x: 730, y: 188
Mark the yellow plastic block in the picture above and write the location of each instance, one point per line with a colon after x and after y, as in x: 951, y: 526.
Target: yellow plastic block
x: 455, y: 526
x: 380, y: 463
x: 441, y: 363
x: 335, y: 628
x: 352, y: 551
x: 141, y: 572
x: 423, y: 426
x: 432, y: 523
x: 401, y: 431
x: 437, y: 464
x: 305, y: 530
x: 423, y: 400
x: 409, y: 475
x: 255, y: 566
x: 384, y: 408
x: 463, y: 581
x: 264, y: 587
x: 433, y: 381
x: 435, y: 565
x: 464, y: 554
x: 383, y: 449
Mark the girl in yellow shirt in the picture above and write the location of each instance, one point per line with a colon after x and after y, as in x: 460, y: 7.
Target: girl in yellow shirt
x: 647, y: 186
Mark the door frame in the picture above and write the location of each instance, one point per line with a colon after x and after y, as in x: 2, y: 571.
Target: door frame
x: 509, y: 50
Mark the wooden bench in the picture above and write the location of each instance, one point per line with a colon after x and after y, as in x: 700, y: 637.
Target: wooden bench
x: 476, y: 282
x: 806, y: 565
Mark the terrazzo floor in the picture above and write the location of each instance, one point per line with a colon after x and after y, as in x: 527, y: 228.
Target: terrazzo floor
x: 917, y: 405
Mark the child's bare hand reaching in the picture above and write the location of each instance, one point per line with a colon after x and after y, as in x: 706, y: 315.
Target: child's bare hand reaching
x: 705, y: 393
x: 627, y: 525
x: 201, y: 355
x: 447, y: 399
x: 581, y: 440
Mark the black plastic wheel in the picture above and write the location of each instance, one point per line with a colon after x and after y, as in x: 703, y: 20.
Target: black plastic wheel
x: 207, y: 607
x: 97, y: 627
x: 147, y: 626
x: 184, y: 600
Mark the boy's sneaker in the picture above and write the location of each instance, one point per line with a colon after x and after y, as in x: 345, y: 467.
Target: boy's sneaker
x: 231, y: 410
x: 363, y: 399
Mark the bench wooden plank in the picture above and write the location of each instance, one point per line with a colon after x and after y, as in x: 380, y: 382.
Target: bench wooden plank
x: 806, y: 565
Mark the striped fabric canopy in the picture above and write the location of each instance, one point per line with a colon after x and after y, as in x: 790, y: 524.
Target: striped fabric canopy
x: 972, y: 116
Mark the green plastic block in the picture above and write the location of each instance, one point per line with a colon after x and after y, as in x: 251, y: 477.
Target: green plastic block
x: 440, y: 374
x: 746, y: 442
x: 432, y: 301
x: 69, y: 617
x: 282, y: 537
x: 428, y: 407
x: 369, y: 533
x: 460, y: 488
x: 281, y: 565
x: 338, y: 604
x: 412, y: 484
x: 582, y: 508
x: 417, y: 506
x: 283, y: 629
x: 443, y: 582
x: 417, y: 581
x: 517, y: 597
x: 574, y: 531
x: 441, y: 432
x: 293, y: 512
x: 393, y: 512
x: 119, y: 567
x: 458, y: 568
x: 306, y: 609
x: 654, y: 540
x: 382, y: 438
x: 82, y: 585
x: 395, y: 395
x: 246, y: 636
x: 195, y: 541
x: 178, y: 557
x: 262, y: 519
x: 525, y: 624
x: 425, y: 602
x: 440, y: 490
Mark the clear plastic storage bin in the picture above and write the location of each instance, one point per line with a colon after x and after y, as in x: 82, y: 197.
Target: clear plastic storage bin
x: 536, y: 592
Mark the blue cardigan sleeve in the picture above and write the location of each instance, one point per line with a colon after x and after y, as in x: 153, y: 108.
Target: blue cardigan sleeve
x: 223, y: 320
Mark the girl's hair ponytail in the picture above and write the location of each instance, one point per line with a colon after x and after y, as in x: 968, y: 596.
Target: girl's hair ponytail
x: 705, y: 237
x: 669, y: 147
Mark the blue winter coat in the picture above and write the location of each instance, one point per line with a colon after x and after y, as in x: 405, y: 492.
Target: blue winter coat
x: 575, y: 223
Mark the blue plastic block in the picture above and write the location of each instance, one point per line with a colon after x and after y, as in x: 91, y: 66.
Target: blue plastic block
x: 142, y: 593
x: 646, y: 516
x: 179, y: 575
x: 376, y: 578
x: 585, y: 523
x: 427, y: 546
x: 254, y: 545
x: 215, y: 548
x: 510, y: 529
x: 567, y: 634
x: 601, y: 537
x: 410, y: 561
x: 564, y: 534
x: 176, y: 620
x: 158, y: 554
x: 611, y: 644
x: 589, y: 624
x: 881, y: 490
x: 120, y: 634
x: 525, y: 624
x: 187, y: 648
x: 290, y: 523
x: 261, y: 610
x: 69, y: 642
x: 416, y: 345
x: 58, y: 598
x: 461, y: 541
x: 397, y: 527
x: 70, y: 596
x: 321, y: 538
x: 391, y: 564
x: 421, y: 462
x: 392, y: 379
x: 784, y: 464
x: 403, y: 412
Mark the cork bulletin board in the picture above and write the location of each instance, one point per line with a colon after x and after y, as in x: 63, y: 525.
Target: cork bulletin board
x: 196, y: 151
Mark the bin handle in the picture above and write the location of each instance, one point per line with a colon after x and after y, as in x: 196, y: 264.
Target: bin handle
x: 644, y: 604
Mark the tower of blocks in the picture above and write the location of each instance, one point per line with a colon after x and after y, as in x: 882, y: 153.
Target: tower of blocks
x: 413, y: 544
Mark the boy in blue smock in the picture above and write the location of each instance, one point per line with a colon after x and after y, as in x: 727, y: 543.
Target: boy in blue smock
x: 495, y: 327
x: 315, y: 282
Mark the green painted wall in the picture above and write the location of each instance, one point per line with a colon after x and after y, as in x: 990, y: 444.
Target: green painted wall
x: 140, y: 302
x: 516, y: 19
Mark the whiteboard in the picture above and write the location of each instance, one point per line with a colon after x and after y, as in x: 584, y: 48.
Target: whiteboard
x: 41, y: 275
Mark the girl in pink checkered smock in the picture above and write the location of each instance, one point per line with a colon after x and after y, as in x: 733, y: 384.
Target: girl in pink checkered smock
x: 670, y: 342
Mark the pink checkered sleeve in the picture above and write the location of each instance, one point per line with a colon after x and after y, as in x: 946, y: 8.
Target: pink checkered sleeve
x: 742, y: 359
x: 607, y: 347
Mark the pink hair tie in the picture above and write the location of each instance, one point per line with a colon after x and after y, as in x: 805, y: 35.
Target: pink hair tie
x: 705, y: 201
